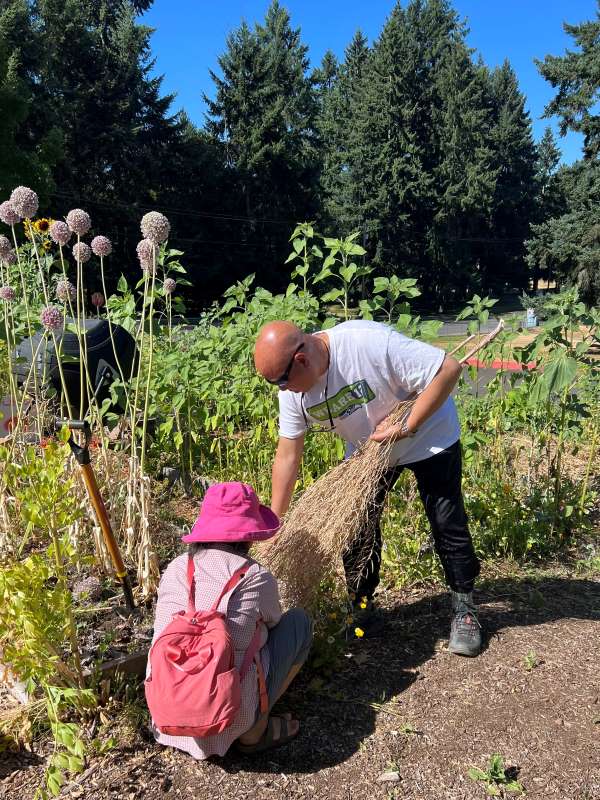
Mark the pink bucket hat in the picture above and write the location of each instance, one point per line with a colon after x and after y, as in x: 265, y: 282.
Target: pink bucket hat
x: 231, y: 512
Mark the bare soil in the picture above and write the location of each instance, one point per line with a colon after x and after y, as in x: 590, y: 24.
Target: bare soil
x: 400, y: 703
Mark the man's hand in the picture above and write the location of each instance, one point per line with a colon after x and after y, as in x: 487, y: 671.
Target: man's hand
x: 427, y: 403
x: 385, y: 432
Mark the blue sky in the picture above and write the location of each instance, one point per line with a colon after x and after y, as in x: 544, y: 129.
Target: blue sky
x: 190, y: 35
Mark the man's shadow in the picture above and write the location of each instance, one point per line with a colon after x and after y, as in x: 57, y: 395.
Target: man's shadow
x: 337, y: 718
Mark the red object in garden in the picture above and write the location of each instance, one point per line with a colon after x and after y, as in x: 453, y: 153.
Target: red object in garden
x: 509, y: 366
x: 194, y: 689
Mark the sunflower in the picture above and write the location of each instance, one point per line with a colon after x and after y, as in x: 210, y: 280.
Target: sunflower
x: 42, y: 225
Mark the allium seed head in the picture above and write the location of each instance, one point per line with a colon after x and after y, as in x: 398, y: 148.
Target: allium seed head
x: 97, y: 299
x: 9, y: 258
x: 82, y: 252
x: 101, y: 246
x: 169, y: 285
x: 24, y: 201
x: 5, y: 246
x: 51, y: 318
x: 7, y: 293
x: 8, y: 213
x: 79, y: 221
x: 65, y: 291
x: 145, y: 250
x: 59, y: 232
x: 155, y: 226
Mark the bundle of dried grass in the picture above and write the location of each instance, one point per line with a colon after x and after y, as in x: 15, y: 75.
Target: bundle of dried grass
x: 322, y: 525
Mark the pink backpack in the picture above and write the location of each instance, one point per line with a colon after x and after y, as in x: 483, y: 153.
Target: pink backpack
x: 194, y: 688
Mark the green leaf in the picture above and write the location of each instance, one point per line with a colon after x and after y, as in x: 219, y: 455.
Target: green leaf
x: 477, y: 774
x: 334, y: 294
x: 356, y: 250
x: 325, y: 273
x: 122, y: 285
x: 348, y: 272
x: 560, y: 373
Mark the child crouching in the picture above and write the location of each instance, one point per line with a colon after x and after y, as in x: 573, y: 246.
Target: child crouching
x: 222, y: 652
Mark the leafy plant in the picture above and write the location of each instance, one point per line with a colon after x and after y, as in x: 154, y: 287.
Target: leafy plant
x: 496, y: 777
x: 338, y: 268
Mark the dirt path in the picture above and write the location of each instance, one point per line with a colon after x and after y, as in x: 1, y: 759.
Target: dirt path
x: 401, y: 704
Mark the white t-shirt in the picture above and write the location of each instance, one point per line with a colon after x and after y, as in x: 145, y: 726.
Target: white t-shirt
x: 372, y: 367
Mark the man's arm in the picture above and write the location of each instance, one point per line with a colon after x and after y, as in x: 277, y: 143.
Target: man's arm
x: 285, y: 471
x: 426, y: 404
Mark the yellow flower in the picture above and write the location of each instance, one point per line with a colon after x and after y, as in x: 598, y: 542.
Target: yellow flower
x: 47, y: 245
x: 42, y: 225
x: 359, y: 633
x: 363, y: 604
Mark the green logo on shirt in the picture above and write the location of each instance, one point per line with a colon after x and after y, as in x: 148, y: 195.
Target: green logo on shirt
x: 345, y: 402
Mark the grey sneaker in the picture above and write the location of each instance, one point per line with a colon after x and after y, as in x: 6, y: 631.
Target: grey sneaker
x: 465, y: 633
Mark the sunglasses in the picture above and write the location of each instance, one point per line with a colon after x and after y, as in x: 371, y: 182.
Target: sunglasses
x: 285, y: 377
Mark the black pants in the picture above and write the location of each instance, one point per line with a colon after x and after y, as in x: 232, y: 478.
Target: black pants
x: 439, y: 480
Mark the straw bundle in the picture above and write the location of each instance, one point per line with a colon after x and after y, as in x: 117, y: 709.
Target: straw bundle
x: 321, y: 526
x: 323, y: 523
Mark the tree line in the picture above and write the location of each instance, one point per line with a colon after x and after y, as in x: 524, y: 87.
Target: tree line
x: 412, y: 141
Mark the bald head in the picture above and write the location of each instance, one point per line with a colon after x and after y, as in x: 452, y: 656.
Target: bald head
x: 275, y: 345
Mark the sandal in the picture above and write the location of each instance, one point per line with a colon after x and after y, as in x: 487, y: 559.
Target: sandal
x: 268, y: 740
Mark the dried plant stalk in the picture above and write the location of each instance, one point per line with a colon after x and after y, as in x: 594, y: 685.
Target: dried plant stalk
x: 324, y: 521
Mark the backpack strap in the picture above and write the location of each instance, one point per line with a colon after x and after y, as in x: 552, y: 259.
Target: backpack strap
x: 231, y: 584
x: 252, y: 654
x: 191, y: 609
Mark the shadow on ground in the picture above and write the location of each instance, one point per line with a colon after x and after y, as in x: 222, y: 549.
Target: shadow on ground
x: 342, y: 715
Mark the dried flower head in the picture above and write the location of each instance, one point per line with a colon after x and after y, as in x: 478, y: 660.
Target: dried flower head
x: 79, y: 221
x: 82, y: 252
x: 51, y: 318
x: 9, y: 258
x: 101, y: 246
x: 59, y: 232
x: 97, y: 299
x: 155, y: 226
x: 7, y: 293
x: 169, y: 285
x: 65, y: 291
x: 5, y: 246
x: 8, y: 213
x: 24, y: 201
x: 145, y: 250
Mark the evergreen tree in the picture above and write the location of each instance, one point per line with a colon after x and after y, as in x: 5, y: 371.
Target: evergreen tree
x: 567, y: 245
x: 576, y: 76
x: 514, y: 157
x: 566, y: 248
x: 340, y: 145
x: 465, y: 180
x: 264, y: 113
x: 396, y: 124
x: 21, y: 160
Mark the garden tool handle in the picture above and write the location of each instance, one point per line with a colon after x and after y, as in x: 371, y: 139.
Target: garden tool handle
x: 107, y: 533
x: 82, y: 456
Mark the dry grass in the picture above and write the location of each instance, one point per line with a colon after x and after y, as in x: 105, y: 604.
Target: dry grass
x: 323, y: 523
